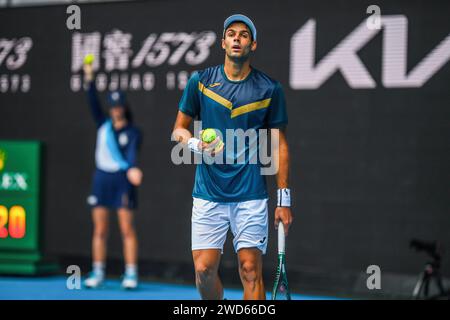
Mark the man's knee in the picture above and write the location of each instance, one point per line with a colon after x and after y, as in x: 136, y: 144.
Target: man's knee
x: 204, y: 272
x: 250, y: 271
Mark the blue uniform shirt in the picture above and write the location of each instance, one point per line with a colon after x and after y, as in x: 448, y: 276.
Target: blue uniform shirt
x: 257, y: 102
x: 115, y: 150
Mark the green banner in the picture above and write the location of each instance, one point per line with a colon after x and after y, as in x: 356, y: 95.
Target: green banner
x: 20, y: 207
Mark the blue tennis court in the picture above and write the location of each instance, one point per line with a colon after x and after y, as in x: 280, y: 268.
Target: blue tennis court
x: 55, y: 288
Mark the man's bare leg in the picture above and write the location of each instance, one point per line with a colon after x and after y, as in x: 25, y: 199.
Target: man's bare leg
x: 206, y: 262
x: 250, y: 271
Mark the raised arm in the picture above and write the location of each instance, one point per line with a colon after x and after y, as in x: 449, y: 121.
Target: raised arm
x: 94, y: 102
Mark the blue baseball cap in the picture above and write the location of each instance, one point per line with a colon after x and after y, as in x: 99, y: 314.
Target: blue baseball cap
x: 240, y: 18
x: 117, y: 98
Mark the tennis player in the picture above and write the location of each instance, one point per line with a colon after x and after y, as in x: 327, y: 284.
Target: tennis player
x: 114, y: 182
x: 233, y: 96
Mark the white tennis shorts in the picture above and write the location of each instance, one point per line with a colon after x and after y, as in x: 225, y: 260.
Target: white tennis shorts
x: 247, y: 219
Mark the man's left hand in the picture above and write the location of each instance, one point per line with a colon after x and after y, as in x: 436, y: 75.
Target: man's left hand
x: 283, y: 215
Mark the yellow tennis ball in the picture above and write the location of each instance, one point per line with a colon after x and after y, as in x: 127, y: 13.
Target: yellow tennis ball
x: 89, y: 58
x: 209, y: 135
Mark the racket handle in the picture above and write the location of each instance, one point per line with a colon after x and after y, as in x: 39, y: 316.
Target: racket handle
x: 281, y: 238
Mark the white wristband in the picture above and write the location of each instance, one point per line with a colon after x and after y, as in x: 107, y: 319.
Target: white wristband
x: 284, y: 197
x: 193, y: 145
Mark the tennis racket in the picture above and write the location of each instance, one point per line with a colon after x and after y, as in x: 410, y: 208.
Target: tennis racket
x: 281, y: 287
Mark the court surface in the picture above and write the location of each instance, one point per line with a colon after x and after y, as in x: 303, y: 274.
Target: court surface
x: 55, y: 288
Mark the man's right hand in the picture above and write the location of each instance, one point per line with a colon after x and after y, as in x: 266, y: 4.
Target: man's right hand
x: 213, y: 148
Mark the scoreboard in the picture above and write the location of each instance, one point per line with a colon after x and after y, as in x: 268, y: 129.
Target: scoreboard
x: 20, y: 225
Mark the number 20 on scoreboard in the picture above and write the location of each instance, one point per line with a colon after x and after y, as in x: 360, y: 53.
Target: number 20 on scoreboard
x: 12, y: 222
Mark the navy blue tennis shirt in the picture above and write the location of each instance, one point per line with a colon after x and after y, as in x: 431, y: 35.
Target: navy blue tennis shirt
x: 256, y: 102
